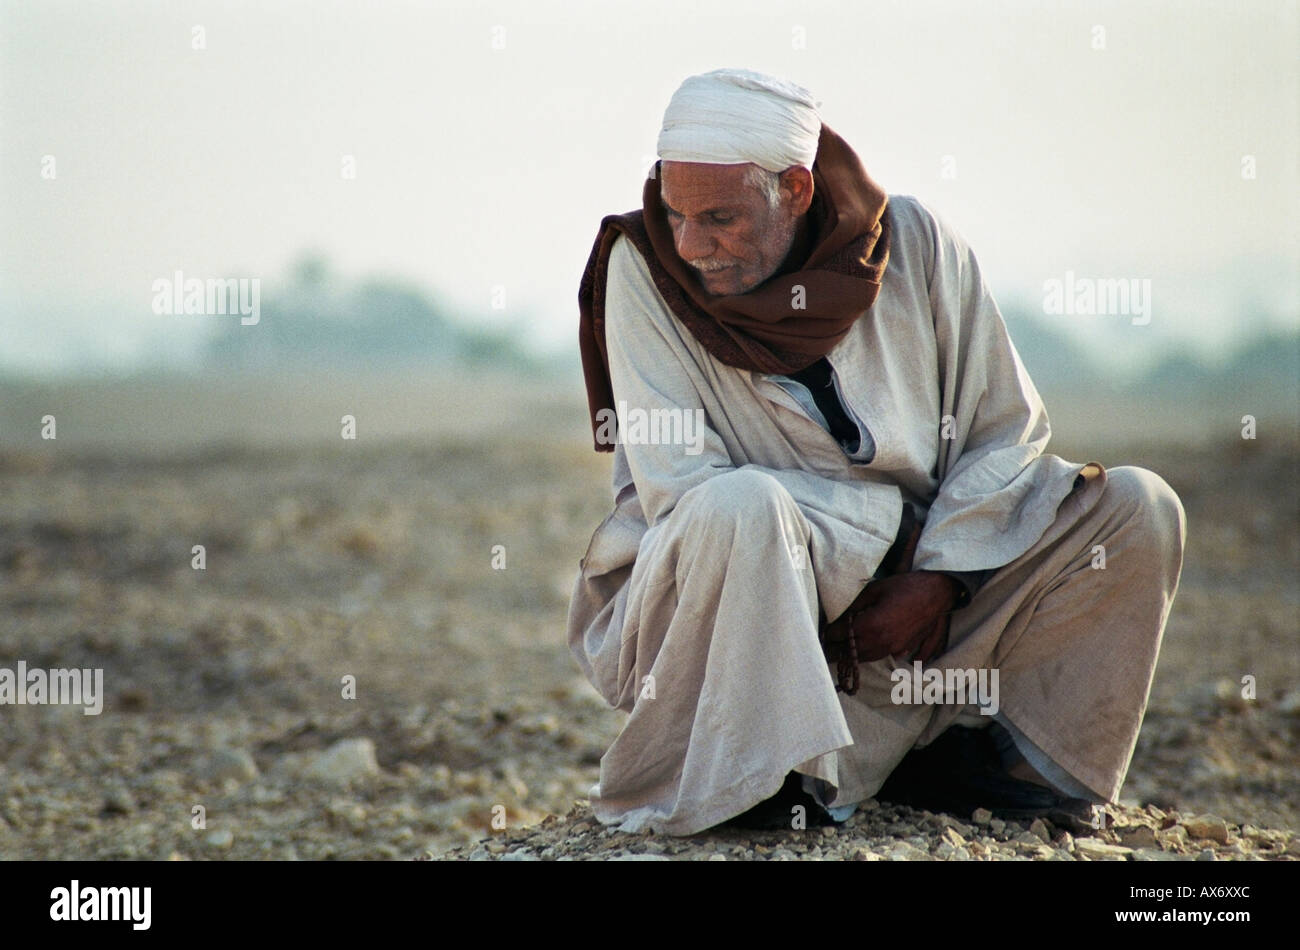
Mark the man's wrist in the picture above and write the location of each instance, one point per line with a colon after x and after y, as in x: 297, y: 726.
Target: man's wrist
x: 963, y: 588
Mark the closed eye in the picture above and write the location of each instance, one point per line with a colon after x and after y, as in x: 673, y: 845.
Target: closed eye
x: 715, y: 217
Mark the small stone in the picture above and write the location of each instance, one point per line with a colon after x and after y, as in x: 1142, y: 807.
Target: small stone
x: 1210, y: 827
x: 119, y: 802
x: 1095, y: 850
x: 235, y: 764
x: 344, y: 761
x: 1039, y: 830
x: 1206, y: 855
x: 945, y: 851
x: 638, y: 857
x: 717, y: 857
x: 1172, y: 839
x: 1138, y: 836
x: 1289, y: 704
x: 221, y: 839
x: 480, y: 854
x: 947, y: 821
x: 981, y: 816
x: 865, y: 854
x: 953, y: 837
x: 997, y: 826
x: 1155, y: 854
x: 520, y: 856
x: 902, y: 851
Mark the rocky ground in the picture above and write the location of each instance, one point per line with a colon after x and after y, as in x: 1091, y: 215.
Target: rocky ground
x: 230, y: 731
x: 883, y: 832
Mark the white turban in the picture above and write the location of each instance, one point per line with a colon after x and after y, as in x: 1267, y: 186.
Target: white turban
x: 734, y: 116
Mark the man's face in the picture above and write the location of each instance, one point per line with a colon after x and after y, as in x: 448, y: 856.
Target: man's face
x: 723, y: 227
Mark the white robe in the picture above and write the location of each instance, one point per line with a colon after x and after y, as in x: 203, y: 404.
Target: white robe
x: 692, y: 611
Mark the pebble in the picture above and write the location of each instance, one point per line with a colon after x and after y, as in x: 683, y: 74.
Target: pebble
x: 1155, y: 854
x: 640, y: 857
x: 1138, y: 837
x: 1290, y: 702
x: 344, y: 761
x: 981, y: 816
x: 1172, y: 839
x: 1210, y: 827
x: 953, y: 837
x: 902, y: 851
x: 1095, y: 850
x: 1039, y: 830
x: 997, y: 826
x: 221, y: 839
x: 119, y: 802
x: 1206, y: 855
x: 235, y: 764
x: 947, y: 821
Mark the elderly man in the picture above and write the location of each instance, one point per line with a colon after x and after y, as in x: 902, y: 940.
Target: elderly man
x: 866, y: 499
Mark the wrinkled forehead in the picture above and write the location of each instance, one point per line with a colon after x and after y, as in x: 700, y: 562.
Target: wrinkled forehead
x: 693, y: 186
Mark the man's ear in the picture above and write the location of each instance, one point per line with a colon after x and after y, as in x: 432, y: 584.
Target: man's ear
x: 797, y: 181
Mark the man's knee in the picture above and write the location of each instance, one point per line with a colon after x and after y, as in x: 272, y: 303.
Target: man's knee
x: 1144, y: 500
x: 744, y: 508
x: 738, y: 498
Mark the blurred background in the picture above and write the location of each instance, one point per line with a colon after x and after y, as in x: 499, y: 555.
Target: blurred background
x: 414, y: 190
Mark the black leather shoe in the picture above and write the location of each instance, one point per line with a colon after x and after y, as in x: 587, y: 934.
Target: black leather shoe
x: 962, y: 771
x: 777, y: 813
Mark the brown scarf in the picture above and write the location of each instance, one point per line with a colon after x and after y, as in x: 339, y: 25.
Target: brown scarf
x: 839, y: 265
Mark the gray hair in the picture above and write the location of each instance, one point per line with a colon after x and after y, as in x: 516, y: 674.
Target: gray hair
x: 766, y: 182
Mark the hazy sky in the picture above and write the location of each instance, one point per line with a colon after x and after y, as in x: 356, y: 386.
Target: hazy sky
x: 480, y: 167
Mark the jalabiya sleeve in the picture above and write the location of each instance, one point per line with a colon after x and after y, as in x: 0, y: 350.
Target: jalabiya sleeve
x: 998, y: 490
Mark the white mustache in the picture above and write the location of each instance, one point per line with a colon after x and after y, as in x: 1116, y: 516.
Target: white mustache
x: 708, y: 266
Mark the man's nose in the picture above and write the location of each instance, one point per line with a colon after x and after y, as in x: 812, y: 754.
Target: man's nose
x: 693, y: 242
